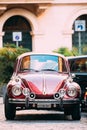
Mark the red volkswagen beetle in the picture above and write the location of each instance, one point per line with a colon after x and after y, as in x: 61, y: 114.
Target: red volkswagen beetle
x: 42, y: 81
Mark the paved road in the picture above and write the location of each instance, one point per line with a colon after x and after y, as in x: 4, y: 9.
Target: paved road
x: 41, y: 120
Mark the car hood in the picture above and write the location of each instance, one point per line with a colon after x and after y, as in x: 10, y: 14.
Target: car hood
x: 43, y: 82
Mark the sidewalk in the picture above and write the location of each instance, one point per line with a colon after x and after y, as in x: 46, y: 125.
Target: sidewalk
x: 1, y: 100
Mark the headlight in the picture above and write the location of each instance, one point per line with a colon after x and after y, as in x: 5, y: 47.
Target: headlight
x: 32, y: 95
x: 16, y: 90
x: 62, y: 92
x: 72, y: 92
x: 56, y: 95
x: 26, y: 91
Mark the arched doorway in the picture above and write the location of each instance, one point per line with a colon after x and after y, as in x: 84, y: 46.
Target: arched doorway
x: 80, y: 36
x: 17, y: 23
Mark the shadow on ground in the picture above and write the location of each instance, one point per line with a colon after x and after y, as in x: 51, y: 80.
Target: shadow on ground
x: 42, y: 116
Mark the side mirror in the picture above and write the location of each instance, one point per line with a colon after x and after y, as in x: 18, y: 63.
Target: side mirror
x: 73, y: 75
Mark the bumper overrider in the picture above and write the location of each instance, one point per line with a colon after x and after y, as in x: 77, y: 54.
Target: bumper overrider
x: 44, y: 102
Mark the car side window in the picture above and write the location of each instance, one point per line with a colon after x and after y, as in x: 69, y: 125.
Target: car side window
x: 25, y: 63
x: 78, y: 65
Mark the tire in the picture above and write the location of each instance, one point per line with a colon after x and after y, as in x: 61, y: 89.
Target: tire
x: 9, y: 109
x: 76, y: 112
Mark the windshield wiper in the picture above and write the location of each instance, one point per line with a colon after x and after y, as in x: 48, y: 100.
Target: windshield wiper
x: 48, y: 70
x: 26, y: 69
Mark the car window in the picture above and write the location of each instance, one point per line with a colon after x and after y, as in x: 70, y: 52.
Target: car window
x: 78, y: 65
x: 25, y: 63
x: 43, y: 62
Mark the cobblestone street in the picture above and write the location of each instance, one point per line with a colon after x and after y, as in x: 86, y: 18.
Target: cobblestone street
x: 41, y: 120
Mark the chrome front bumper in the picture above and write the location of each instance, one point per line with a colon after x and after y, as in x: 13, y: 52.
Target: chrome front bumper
x: 45, y: 101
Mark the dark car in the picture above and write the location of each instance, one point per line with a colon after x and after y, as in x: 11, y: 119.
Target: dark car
x: 78, y: 66
x: 85, y: 99
x: 42, y: 81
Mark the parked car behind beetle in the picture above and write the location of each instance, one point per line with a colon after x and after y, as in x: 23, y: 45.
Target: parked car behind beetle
x: 42, y: 81
x: 78, y: 66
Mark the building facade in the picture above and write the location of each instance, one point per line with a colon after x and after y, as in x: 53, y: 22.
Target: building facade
x: 40, y: 25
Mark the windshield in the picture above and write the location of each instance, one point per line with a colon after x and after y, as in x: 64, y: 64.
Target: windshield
x: 78, y: 65
x: 43, y: 62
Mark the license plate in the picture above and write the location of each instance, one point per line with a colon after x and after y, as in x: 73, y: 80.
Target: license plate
x: 40, y: 105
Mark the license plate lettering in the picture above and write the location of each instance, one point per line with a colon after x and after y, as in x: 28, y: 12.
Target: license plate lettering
x: 40, y: 105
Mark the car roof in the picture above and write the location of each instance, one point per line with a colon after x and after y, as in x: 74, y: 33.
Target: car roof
x: 35, y: 53
x: 77, y: 57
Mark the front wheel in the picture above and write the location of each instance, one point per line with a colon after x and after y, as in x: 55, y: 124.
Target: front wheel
x: 9, y: 109
x: 76, y: 112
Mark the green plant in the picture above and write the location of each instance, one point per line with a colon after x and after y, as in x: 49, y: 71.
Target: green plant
x: 63, y: 50
x: 84, y: 50
x: 9, y: 45
x: 7, y: 59
x: 75, y: 51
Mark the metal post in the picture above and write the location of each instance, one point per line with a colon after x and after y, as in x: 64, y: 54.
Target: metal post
x: 16, y: 43
x: 79, y: 36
